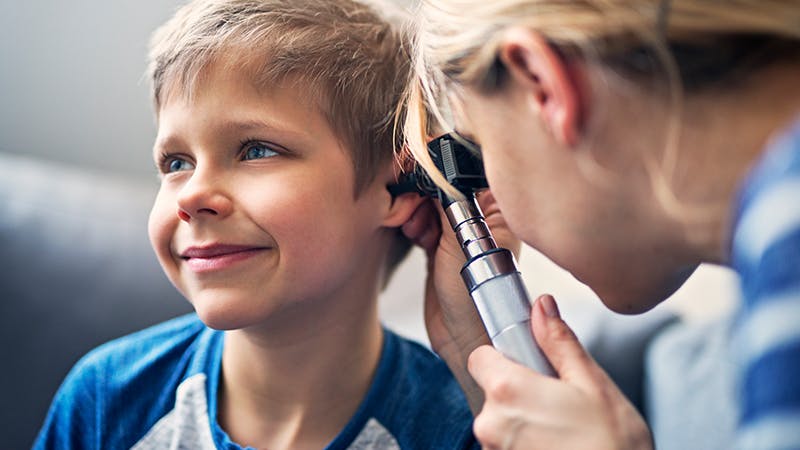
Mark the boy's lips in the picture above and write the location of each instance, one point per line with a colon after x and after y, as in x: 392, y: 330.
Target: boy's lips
x: 218, y: 256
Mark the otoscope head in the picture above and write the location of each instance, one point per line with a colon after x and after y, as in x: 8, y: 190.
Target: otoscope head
x: 490, y: 273
x: 458, y: 160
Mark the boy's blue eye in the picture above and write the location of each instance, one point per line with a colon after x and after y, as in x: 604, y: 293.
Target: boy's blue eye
x: 258, y: 151
x: 177, y: 165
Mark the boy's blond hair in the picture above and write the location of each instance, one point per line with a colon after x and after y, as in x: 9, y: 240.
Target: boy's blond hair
x: 342, y: 55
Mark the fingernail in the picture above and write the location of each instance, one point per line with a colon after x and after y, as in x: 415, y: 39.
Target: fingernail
x: 549, y: 306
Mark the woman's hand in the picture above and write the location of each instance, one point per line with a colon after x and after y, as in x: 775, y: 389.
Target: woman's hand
x: 452, y: 322
x: 579, y: 410
x: 521, y: 409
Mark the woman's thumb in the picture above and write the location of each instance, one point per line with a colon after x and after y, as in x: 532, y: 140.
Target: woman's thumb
x: 559, y: 343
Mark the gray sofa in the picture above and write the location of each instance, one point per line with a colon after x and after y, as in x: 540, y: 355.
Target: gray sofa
x: 76, y: 269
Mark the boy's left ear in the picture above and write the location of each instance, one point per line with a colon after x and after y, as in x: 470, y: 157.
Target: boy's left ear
x: 402, y: 206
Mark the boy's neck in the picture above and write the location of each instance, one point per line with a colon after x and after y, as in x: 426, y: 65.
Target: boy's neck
x: 297, y: 386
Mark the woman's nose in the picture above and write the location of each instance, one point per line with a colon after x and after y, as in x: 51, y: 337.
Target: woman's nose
x: 203, y: 196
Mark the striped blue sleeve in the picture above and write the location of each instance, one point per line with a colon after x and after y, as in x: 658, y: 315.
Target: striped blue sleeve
x: 73, y: 420
x: 766, y: 254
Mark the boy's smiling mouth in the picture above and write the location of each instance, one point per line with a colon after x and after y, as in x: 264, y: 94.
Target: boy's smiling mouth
x: 218, y: 256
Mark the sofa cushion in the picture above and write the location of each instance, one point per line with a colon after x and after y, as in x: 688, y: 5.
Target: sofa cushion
x: 690, y: 387
x: 76, y: 269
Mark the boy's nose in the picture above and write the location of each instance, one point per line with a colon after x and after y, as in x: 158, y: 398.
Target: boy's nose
x: 203, y: 196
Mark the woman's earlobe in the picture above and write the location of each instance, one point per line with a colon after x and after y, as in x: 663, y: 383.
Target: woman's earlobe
x: 538, y: 68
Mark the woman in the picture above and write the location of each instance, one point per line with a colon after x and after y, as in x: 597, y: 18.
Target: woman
x: 629, y: 141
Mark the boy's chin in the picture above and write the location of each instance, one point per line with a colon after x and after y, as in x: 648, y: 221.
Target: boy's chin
x: 219, y: 321
x: 220, y: 315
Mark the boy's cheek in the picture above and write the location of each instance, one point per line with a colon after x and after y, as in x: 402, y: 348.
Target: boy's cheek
x: 160, y: 227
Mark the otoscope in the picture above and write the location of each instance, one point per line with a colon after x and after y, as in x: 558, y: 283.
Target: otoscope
x: 490, y: 273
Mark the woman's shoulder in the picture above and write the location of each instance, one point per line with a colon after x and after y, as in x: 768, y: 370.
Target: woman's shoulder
x: 766, y: 246
x: 767, y: 209
x: 779, y: 160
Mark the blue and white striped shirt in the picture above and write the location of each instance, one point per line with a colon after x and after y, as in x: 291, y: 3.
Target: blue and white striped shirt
x: 766, y: 254
x: 158, y: 388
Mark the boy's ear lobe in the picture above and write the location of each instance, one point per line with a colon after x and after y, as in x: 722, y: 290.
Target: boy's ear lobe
x: 533, y: 64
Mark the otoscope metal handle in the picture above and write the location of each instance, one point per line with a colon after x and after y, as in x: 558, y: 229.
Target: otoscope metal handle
x: 496, y: 287
x: 505, y: 310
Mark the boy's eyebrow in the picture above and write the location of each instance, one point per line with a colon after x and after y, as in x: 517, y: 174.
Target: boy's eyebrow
x: 165, y: 142
x: 234, y: 126
x: 255, y: 124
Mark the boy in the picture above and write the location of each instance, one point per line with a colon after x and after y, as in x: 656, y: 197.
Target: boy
x: 275, y: 147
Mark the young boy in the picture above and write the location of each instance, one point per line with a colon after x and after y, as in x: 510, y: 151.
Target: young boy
x: 275, y: 147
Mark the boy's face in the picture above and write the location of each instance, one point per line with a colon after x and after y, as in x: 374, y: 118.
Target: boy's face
x: 256, y: 211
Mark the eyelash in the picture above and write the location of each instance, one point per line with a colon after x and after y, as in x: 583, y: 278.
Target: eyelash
x: 165, y: 159
x: 247, y: 144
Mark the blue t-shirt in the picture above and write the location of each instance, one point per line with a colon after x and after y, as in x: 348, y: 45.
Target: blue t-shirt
x: 766, y: 254
x: 158, y: 388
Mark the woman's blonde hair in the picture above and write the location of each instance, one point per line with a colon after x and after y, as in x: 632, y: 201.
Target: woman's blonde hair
x: 684, y: 45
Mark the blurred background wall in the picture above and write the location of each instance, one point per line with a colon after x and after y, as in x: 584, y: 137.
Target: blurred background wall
x: 71, y: 81
x: 72, y: 92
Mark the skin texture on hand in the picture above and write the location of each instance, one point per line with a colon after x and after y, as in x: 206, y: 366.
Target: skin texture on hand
x: 526, y: 410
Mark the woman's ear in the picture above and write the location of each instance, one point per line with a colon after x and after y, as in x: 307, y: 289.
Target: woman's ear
x: 536, y: 67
